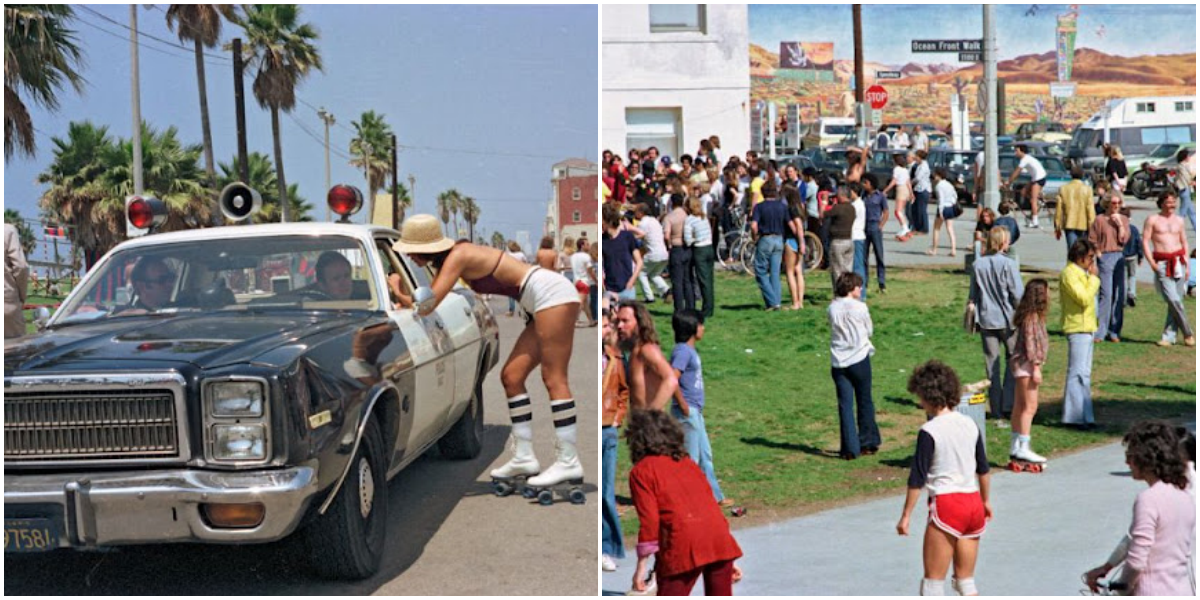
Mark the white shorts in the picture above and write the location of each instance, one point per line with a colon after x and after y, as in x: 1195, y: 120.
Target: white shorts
x: 544, y: 289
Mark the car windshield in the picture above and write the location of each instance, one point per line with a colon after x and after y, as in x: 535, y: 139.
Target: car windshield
x: 843, y: 130
x: 1164, y: 151
x: 957, y: 159
x: 252, y: 273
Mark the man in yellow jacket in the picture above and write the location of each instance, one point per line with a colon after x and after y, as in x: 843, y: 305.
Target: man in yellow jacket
x: 1077, y: 286
x: 1075, y: 211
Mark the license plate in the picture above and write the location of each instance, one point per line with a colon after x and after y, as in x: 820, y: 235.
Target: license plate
x: 29, y: 535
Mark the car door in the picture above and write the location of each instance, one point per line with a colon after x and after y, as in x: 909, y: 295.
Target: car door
x: 463, y: 331
x: 431, y: 349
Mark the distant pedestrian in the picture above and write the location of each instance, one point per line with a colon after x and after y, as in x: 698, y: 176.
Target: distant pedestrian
x: 698, y: 236
x: 679, y: 255
x: 922, y: 189
x: 1164, y: 232
x: 987, y: 220
x: 1032, y: 167
x: 679, y: 522
x: 547, y: 257
x: 1133, y: 258
x: 900, y: 140
x: 580, y: 261
x: 1028, y: 357
x: 616, y: 404
x: 1115, y: 169
x: 1185, y: 183
x: 1078, y: 285
x: 1009, y: 222
x: 996, y: 290
x: 850, y: 351
x: 794, y: 247
x: 690, y: 397
x: 1075, y: 212
x: 1162, y: 537
x: 951, y: 463
x: 902, y: 183
x: 16, y: 283
x: 622, y: 260
x: 768, y: 224
x: 882, y: 140
x: 1109, y: 233
x: 654, y: 254
x: 858, y: 233
x: 948, y: 209
x: 651, y: 381
x: 875, y: 202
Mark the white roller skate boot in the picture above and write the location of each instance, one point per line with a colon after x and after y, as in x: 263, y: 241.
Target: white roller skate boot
x: 514, y: 474
x: 565, y: 476
x: 1028, y: 455
x: 1014, y: 445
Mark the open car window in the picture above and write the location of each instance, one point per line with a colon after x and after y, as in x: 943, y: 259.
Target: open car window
x: 261, y: 273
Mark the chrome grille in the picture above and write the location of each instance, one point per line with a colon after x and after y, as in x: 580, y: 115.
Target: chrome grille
x: 90, y: 425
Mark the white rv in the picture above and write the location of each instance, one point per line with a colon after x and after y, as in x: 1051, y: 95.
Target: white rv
x: 1136, y: 125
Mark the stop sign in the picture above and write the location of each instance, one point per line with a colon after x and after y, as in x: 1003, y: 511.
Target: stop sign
x: 877, y: 96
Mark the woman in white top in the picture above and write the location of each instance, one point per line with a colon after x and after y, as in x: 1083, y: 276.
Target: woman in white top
x: 902, y: 183
x: 514, y: 250
x: 947, y: 210
x: 580, y: 261
x: 697, y: 234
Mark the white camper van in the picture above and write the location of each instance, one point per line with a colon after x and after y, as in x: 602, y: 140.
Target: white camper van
x: 828, y: 131
x: 1136, y: 125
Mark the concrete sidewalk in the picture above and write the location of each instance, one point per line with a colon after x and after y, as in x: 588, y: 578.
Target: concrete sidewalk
x: 1048, y: 529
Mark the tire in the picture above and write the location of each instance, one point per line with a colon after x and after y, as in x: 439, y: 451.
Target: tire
x: 814, y: 251
x: 747, y: 258
x: 343, y: 543
x: 1139, y: 186
x: 464, y: 441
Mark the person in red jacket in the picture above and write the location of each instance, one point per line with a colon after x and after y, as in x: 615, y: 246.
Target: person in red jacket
x: 681, y: 523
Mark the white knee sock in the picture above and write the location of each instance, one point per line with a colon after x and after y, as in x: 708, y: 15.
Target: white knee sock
x: 966, y: 587
x: 520, y: 412
x: 563, y: 413
x: 933, y: 587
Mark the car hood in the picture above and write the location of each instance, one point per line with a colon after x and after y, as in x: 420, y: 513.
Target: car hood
x: 206, y: 340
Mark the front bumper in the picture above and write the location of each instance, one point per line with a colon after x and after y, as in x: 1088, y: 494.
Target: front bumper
x: 98, y: 509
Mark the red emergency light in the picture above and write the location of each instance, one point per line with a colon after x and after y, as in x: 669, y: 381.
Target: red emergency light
x: 345, y: 200
x: 146, y: 213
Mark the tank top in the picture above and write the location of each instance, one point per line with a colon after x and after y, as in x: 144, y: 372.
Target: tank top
x: 488, y: 284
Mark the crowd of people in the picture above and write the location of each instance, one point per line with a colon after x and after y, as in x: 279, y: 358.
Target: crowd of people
x: 663, y: 220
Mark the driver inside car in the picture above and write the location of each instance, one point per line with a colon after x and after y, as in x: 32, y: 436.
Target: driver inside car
x: 334, y: 279
x: 152, y: 282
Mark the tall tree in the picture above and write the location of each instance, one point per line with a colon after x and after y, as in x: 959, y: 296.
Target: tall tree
x: 281, y: 51
x: 24, y: 233
x: 262, y: 178
x: 470, y: 212
x: 445, y: 201
x: 498, y: 240
x: 200, y: 24
x: 371, y: 149
x: 40, y: 58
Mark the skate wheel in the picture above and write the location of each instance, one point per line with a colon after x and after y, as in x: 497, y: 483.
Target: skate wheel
x: 576, y: 496
x: 545, y: 497
x: 1014, y: 467
x: 528, y: 492
x: 501, y: 488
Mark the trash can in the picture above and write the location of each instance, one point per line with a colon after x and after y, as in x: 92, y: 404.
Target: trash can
x: 974, y: 402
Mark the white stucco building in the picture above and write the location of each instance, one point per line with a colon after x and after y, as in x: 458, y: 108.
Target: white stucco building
x: 673, y: 74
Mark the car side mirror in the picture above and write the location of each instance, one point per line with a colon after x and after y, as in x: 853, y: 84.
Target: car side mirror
x: 41, y: 315
x: 424, y: 299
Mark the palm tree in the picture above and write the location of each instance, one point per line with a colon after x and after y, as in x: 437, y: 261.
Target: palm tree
x: 498, y: 240
x: 262, y: 178
x: 402, y: 201
x: 40, y: 57
x: 201, y: 25
x: 92, y: 174
x: 470, y: 212
x: 281, y: 51
x: 24, y: 233
x: 370, y: 148
x: 444, y: 201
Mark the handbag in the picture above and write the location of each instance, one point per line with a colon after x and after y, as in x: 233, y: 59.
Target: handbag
x: 958, y: 210
x: 970, y: 323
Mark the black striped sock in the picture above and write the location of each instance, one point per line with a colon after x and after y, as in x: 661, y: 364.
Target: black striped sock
x: 520, y: 412
x: 563, y: 413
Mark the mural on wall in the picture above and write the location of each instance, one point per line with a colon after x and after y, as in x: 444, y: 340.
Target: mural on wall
x: 1098, y: 52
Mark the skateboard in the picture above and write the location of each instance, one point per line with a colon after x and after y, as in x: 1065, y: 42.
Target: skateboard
x: 571, y: 489
x: 1022, y: 466
x: 504, y: 486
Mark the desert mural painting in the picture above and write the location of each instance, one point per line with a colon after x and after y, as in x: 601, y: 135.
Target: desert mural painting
x: 1094, y: 52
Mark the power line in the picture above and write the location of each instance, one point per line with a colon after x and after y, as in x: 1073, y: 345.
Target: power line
x: 147, y: 35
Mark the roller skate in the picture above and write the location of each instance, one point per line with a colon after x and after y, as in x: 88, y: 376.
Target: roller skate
x: 565, y: 476
x: 513, y: 475
x: 1024, y: 460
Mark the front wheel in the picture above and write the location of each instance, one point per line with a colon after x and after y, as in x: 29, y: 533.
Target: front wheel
x: 464, y: 441
x: 347, y: 542
x: 814, y: 251
x: 747, y: 258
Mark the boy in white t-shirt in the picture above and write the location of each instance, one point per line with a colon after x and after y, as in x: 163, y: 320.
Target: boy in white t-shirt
x: 1037, y: 175
x: 951, y: 463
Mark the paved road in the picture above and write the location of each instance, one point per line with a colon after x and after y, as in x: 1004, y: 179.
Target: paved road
x: 447, y: 535
x: 1048, y: 529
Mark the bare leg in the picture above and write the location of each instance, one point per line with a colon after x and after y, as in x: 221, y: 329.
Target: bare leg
x: 1025, y: 405
x: 799, y: 283
x: 526, y: 354
x: 555, y: 338
x: 950, y: 231
x: 937, y: 226
x: 966, y: 550
x: 938, y: 552
x: 789, y: 268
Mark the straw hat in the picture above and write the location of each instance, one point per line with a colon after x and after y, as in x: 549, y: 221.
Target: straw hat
x: 421, y: 234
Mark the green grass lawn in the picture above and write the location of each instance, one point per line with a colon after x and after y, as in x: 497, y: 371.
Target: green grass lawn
x: 771, y: 409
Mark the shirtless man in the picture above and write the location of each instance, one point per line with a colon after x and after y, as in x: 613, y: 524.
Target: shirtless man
x: 1169, y: 258
x: 652, y: 382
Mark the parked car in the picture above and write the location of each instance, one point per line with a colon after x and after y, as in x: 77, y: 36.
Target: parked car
x: 881, y: 163
x: 960, y: 165
x: 225, y: 395
x: 827, y: 131
x: 1037, y: 149
x: 797, y: 160
x: 831, y: 159
x: 1044, y: 131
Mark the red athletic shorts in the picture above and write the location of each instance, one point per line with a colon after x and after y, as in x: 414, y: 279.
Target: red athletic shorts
x: 581, y: 286
x: 960, y: 515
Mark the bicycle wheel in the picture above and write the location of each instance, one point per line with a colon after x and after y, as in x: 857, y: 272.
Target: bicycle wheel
x: 748, y: 257
x: 814, y: 250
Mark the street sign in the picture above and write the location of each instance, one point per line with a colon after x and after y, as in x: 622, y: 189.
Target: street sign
x: 1062, y: 90
x: 876, y: 119
x: 951, y: 46
x: 877, y: 96
x: 970, y: 57
x: 888, y: 74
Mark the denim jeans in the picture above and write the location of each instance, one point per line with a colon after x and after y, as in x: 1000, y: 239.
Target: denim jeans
x: 860, y: 264
x: 681, y: 278
x: 695, y: 439
x: 875, y: 244
x: 1186, y: 207
x: 767, y: 257
x: 1110, y: 307
x: 1173, y: 289
x: 1071, y: 235
x: 921, y: 212
x: 853, y: 385
x: 629, y: 294
x: 1131, y: 267
x: 594, y: 297
x: 1077, y: 398
x: 613, y: 543
x: 1002, y: 392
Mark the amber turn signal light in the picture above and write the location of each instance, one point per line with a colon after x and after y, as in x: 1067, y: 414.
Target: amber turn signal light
x: 234, y: 516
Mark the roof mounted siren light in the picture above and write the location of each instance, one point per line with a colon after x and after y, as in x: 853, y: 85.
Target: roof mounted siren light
x: 239, y: 201
x: 143, y: 214
x: 345, y: 200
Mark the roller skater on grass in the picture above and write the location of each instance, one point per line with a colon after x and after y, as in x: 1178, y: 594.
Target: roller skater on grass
x: 952, y: 464
x: 1026, y: 363
x: 546, y: 341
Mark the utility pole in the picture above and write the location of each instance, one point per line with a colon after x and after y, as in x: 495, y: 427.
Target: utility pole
x: 367, y: 149
x: 395, y: 188
x: 137, y: 102
x: 991, y: 162
x: 859, y: 79
x: 239, y: 101
x: 412, y: 189
x: 329, y: 120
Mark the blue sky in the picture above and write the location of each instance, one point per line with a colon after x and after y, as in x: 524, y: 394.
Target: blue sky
x: 501, y: 81
x: 1128, y: 29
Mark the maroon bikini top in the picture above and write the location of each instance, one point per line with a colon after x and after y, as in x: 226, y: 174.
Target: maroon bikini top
x: 488, y: 284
